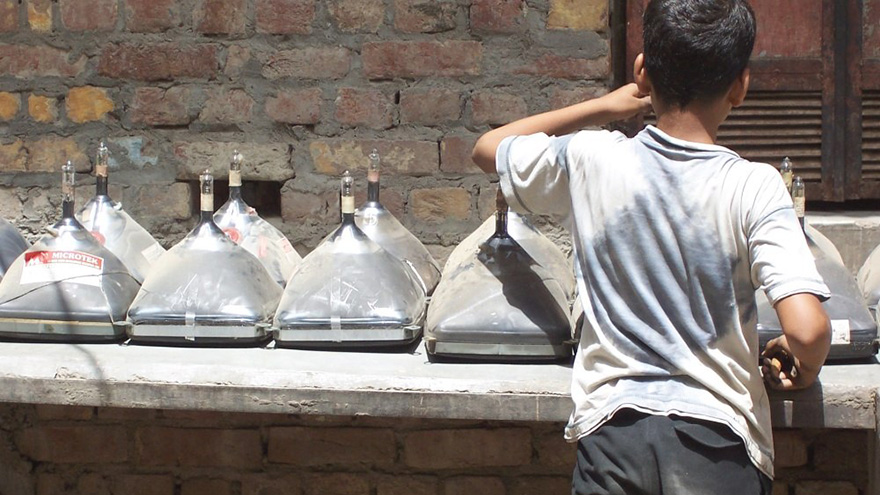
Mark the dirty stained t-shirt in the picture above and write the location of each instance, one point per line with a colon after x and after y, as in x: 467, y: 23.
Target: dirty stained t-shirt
x: 670, y: 238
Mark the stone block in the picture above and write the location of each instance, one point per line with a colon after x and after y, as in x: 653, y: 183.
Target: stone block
x: 561, y: 67
x: 553, y: 452
x: 588, y: 15
x: 87, y: 104
x: 332, y: 446
x: 412, y: 59
x: 357, y: 16
x: 227, y: 106
x: 457, y: 449
x: 296, y: 106
x: 81, y: 444
x: 308, y: 63
x: 496, y: 108
x: 126, y: 414
x: 13, y: 156
x: 49, y: 153
x: 468, y: 485
x: 309, y: 207
x: 261, y: 161
x: 265, y: 484
x: 158, y: 62
x: 163, y: 107
x: 9, y: 105
x: 841, y: 450
x: 358, y: 107
x: 8, y: 16
x: 32, y: 61
x: 336, y: 484
x: 285, y: 16
x: 430, y: 107
x: 204, y: 447
x: 88, y: 15
x: 335, y: 156
x: 407, y: 485
x: 43, y: 109
x: 220, y: 16
x: 498, y: 16
x: 151, y: 16
x: 791, y: 449
x: 143, y: 484
x: 55, y: 412
x: 825, y: 488
x: 39, y: 14
x: 436, y: 206
x: 541, y: 484
x: 455, y: 155
x: 424, y: 16
x: 237, y: 57
x: 205, y: 486
x: 170, y: 201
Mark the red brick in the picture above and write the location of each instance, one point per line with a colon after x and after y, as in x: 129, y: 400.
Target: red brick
x: 205, y: 486
x: 159, y: 446
x: 170, y: 201
x: 158, y: 106
x: 159, y: 62
x: 39, y: 14
x: 357, y: 16
x: 562, y: 98
x: 364, y: 107
x: 49, y: 153
x: 151, y: 16
x: 424, y: 16
x: 558, y: 67
x: 298, y: 106
x: 439, y: 205
x: 88, y: 15
x: 486, y: 201
x: 391, y: 59
x: 467, y: 485
x: 285, y: 16
x: 8, y: 16
x: 336, y: 484
x: 28, y: 62
x: 498, y: 16
x: 790, y: 449
x: 335, y: 156
x: 237, y: 56
x: 220, y: 16
x: 264, y: 484
x: 74, y: 444
x: 452, y: 449
x: 429, y: 106
x: 309, y: 207
x: 308, y: 63
x: 51, y: 412
x: 332, y: 446
x: 233, y: 106
x: 392, y: 200
x: 495, y: 108
x: 407, y: 485
x: 143, y: 484
x: 267, y: 162
x: 455, y: 155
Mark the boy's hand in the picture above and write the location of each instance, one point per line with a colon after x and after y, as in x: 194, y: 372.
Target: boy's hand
x: 783, y: 371
x: 626, y: 102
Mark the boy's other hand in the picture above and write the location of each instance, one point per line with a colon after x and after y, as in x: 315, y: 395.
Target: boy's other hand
x: 783, y: 371
x: 626, y: 102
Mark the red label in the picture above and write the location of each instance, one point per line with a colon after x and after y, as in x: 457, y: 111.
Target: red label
x: 36, y: 258
x: 233, y: 234
x: 99, y: 237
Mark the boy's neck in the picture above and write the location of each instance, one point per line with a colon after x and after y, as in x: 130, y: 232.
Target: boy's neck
x: 697, y: 122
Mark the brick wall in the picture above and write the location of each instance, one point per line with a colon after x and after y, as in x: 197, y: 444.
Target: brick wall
x: 304, y: 88
x: 60, y: 450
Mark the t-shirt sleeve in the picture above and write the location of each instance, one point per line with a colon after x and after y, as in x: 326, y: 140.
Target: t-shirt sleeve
x: 534, y: 175
x: 781, y: 261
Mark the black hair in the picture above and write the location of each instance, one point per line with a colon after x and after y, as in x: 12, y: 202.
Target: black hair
x: 695, y: 49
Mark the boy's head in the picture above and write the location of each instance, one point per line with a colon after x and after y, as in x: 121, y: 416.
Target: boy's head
x: 695, y: 49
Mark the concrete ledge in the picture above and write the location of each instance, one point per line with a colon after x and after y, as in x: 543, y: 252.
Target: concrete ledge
x: 855, y: 233
x: 392, y: 385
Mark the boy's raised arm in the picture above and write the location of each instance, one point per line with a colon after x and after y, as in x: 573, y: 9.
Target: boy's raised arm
x: 620, y: 104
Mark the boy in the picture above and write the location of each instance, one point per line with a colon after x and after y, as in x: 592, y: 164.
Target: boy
x: 671, y: 235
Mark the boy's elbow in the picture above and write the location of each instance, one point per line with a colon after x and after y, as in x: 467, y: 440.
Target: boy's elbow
x: 483, y: 155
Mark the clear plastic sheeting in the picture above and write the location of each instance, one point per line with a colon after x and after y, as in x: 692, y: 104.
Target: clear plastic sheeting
x: 350, y: 292
x: 115, y: 229
x: 66, y: 287
x: 12, y: 244
x: 854, y: 331
x: 869, y: 280
x: 206, y: 290
x: 246, y: 228
x: 384, y: 229
x: 505, y: 296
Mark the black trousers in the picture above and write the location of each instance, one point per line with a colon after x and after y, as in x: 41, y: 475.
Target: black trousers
x: 642, y: 454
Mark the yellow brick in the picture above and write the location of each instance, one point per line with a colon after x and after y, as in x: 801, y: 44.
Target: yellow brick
x: 40, y: 15
x: 9, y: 105
x: 43, y: 108
x: 13, y: 157
x: 87, y: 103
x: 587, y: 15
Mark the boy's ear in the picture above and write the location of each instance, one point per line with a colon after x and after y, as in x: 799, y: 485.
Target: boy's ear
x: 641, y: 76
x: 738, y: 89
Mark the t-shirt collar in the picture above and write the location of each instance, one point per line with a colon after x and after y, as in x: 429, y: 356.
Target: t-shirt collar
x: 652, y: 133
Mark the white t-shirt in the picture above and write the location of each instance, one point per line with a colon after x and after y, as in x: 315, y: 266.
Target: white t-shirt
x: 670, y: 238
